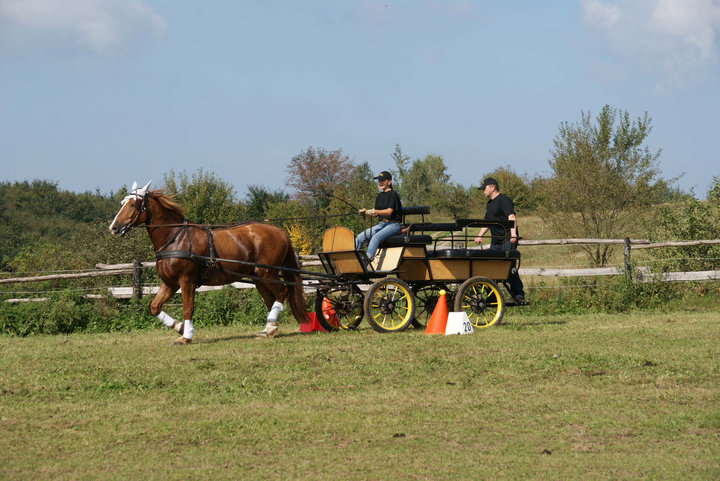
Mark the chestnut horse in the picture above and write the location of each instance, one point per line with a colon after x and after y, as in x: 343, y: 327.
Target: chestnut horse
x: 190, y: 254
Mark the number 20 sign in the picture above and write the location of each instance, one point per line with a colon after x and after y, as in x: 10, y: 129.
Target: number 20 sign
x: 458, y: 323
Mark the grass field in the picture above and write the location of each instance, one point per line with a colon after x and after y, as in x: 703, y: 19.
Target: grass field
x: 631, y: 396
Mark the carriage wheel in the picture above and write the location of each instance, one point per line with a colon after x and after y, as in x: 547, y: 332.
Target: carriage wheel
x: 389, y: 305
x: 480, y: 299
x: 339, y: 308
x: 426, y: 298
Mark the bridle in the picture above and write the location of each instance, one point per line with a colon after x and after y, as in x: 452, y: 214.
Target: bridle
x: 135, y: 221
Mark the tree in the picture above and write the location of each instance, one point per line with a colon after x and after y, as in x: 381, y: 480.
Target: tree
x: 258, y: 200
x: 206, y: 198
x: 316, y: 173
x: 600, y: 176
x: 401, y: 163
x: 421, y: 180
x: 426, y: 182
x: 689, y: 219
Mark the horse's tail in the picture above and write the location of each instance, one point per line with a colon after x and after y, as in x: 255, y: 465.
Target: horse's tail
x: 296, y: 295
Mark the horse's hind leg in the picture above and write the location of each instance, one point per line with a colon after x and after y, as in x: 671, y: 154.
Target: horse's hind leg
x: 164, y: 293
x: 274, y: 305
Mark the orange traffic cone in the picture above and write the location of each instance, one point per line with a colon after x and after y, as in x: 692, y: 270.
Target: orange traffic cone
x: 329, y: 312
x: 438, y: 319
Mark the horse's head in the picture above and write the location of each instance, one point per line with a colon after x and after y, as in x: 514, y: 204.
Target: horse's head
x: 134, y: 210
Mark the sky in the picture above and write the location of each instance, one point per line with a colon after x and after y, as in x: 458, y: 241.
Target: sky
x: 96, y: 94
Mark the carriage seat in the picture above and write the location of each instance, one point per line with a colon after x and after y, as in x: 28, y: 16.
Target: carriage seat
x: 406, y: 240
x: 473, y: 253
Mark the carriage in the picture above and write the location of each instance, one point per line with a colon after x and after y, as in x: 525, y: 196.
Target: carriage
x: 402, y: 284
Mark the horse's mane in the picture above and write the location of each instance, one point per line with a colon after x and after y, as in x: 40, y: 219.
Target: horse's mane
x: 170, y: 204
x: 167, y: 202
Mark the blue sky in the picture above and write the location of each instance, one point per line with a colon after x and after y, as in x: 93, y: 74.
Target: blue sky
x: 95, y: 94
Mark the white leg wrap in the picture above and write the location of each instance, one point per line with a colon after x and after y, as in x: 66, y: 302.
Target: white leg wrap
x: 276, y: 308
x: 188, y: 329
x: 166, y: 319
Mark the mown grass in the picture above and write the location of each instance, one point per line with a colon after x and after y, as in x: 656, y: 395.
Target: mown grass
x: 629, y: 396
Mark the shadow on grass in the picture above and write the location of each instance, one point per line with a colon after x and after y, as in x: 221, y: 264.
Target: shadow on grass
x: 519, y: 326
x: 249, y: 336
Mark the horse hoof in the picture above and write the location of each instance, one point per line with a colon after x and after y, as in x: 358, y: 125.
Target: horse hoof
x: 182, y: 341
x: 270, y: 331
x: 179, y: 327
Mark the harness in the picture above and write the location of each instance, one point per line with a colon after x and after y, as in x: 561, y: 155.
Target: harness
x: 207, y: 262
x: 210, y: 260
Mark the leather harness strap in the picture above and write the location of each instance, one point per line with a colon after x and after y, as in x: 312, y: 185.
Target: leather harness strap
x: 208, y: 262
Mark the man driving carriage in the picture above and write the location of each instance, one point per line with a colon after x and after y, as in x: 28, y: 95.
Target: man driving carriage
x: 388, y: 208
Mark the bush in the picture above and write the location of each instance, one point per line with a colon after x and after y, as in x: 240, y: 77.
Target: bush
x: 68, y: 313
x: 608, y: 295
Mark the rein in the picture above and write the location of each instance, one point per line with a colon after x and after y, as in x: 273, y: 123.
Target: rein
x: 244, y: 222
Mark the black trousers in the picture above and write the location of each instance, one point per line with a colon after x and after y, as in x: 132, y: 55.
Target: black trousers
x: 516, y: 285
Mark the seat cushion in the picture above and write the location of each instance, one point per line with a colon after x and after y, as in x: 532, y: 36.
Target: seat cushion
x: 401, y: 240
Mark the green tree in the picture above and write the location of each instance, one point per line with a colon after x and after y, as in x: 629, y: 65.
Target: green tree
x: 713, y: 193
x: 690, y: 219
x: 426, y: 182
x: 38, y: 213
x: 402, y: 162
x: 259, y: 198
x: 600, y: 173
x: 206, y: 198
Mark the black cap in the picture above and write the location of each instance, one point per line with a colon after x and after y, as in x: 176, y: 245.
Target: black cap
x: 384, y: 175
x: 488, y: 181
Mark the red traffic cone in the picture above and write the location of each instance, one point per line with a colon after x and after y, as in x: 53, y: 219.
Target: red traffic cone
x: 312, y: 324
x: 438, y: 319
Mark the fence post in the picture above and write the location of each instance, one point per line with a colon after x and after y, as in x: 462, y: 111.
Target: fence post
x: 626, y: 255
x: 137, y: 279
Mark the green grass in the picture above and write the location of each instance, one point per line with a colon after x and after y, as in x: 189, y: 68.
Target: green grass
x: 632, y: 396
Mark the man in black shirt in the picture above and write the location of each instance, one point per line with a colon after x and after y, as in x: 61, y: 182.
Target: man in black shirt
x: 500, y: 207
x: 388, y: 209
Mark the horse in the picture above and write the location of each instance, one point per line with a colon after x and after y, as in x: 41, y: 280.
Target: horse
x: 189, y: 255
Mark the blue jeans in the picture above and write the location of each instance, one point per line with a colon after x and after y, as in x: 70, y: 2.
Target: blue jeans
x: 375, y: 235
x: 516, y: 285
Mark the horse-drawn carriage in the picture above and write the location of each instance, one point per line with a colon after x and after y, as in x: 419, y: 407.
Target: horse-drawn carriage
x: 406, y: 276
x: 399, y: 287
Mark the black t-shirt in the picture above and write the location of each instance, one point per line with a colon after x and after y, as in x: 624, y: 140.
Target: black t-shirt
x: 389, y: 199
x: 499, y: 208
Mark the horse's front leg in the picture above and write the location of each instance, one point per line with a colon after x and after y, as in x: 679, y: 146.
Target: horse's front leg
x: 164, y: 293
x: 188, y: 298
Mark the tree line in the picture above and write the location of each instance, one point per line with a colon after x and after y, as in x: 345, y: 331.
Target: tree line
x: 604, y: 178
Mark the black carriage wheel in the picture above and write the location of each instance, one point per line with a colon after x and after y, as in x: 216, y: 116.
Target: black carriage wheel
x: 426, y: 298
x: 339, y: 308
x: 480, y: 299
x: 389, y: 305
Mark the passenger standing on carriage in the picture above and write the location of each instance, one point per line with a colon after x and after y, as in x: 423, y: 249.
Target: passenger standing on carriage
x: 388, y: 209
x: 500, y: 208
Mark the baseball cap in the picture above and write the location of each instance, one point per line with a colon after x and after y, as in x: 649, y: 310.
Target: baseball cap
x: 384, y: 175
x: 488, y: 181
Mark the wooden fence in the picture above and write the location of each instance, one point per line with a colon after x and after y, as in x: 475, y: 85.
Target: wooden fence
x: 639, y: 274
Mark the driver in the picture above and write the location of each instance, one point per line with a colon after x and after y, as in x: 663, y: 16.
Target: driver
x: 388, y: 210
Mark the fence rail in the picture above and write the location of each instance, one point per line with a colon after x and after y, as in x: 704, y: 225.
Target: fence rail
x: 639, y: 274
